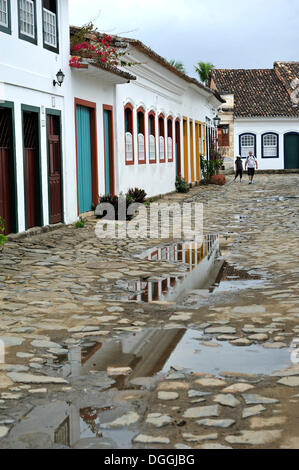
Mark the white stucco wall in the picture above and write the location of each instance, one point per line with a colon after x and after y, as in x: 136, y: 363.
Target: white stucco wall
x: 27, y: 74
x: 157, y: 89
x: 260, y: 127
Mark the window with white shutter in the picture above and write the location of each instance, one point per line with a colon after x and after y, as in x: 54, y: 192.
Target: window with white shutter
x: 162, y: 139
x: 169, y: 140
x: 141, y: 135
x: 152, y: 137
x: 27, y: 20
x: 247, y: 144
x: 129, y: 147
x: 129, y: 135
x: 162, y: 148
x: 270, y: 145
x: 141, y: 148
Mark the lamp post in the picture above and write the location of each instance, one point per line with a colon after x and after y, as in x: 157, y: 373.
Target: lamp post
x: 60, y: 78
x: 216, y: 121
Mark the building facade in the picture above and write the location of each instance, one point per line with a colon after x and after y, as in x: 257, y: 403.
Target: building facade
x: 103, y: 131
x: 34, y: 47
x: 261, y: 114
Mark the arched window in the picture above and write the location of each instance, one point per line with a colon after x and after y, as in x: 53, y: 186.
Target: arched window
x: 152, y: 137
x: 141, y: 136
x: 129, y: 135
x: 162, y: 138
x: 247, y: 144
x: 169, y: 140
x: 270, y: 145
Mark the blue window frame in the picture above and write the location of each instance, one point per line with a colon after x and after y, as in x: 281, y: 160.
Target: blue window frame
x: 247, y: 143
x: 270, y: 145
x: 5, y: 16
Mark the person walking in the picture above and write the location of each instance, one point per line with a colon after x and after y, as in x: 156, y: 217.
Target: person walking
x: 252, y: 165
x: 239, y: 168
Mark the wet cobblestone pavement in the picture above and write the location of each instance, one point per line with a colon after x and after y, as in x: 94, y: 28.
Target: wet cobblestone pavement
x: 108, y: 347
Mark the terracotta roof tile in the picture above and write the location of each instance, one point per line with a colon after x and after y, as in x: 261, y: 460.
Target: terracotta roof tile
x: 258, y: 92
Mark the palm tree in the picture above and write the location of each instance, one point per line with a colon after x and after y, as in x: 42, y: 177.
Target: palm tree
x: 203, y: 69
x: 178, y: 65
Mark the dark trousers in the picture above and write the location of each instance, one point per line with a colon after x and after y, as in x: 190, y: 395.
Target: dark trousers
x: 239, y: 173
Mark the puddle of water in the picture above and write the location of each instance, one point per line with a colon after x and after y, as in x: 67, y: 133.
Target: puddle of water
x: 150, y: 353
x: 202, y: 261
x: 207, y: 272
x: 153, y: 351
x: 255, y: 359
x: 69, y: 425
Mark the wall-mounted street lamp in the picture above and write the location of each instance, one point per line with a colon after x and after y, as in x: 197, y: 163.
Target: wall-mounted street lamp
x: 60, y: 78
x: 216, y: 121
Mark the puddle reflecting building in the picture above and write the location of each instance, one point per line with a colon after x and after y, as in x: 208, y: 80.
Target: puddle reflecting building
x: 200, y: 258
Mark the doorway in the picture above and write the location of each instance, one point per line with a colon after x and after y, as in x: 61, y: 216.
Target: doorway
x: 109, y: 150
x: 8, y: 197
x: 291, y: 150
x: 32, y: 167
x: 55, y: 167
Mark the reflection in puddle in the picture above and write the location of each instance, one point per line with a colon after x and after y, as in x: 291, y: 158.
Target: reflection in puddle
x: 206, y: 272
x: 145, y: 352
x: 153, y: 351
x: 203, y: 263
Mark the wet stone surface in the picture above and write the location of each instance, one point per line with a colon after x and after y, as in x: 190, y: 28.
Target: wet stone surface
x: 157, y: 343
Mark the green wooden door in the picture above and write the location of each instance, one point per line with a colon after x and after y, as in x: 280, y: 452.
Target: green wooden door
x: 84, y: 159
x: 291, y: 151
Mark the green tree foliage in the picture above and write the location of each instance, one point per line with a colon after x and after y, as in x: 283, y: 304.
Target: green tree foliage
x: 203, y: 69
x: 178, y: 65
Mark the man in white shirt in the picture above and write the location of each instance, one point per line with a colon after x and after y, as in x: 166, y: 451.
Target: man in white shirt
x: 251, y: 164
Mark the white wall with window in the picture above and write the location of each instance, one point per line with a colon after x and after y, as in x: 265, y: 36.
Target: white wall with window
x: 269, y: 137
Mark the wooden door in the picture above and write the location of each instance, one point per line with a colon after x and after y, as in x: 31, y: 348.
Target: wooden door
x: 84, y: 158
x: 55, y: 177
x: 109, y: 152
x: 292, y: 151
x: 178, y: 148
x: 32, y: 170
x: 5, y: 206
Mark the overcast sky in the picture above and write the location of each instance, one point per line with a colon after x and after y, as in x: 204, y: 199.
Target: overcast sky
x: 228, y: 33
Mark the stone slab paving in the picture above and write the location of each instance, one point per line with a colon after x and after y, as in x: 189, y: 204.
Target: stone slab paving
x: 62, y: 297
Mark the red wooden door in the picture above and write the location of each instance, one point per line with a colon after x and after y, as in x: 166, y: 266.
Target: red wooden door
x: 4, y: 189
x: 31, y: 169
x: 4, y: 170
x: 55, y: 186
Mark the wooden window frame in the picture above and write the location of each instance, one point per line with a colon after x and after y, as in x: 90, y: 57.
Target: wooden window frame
x: 170, y: 120
x: 129, y: 162
x: 141, y: 110
x: 161, y: 116
x: 153, y: 115
x: 109, y: 108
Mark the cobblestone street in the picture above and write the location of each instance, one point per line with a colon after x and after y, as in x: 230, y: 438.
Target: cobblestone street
x: 92, y: 363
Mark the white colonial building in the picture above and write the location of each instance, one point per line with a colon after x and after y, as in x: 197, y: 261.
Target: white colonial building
x: 34, y: 41
x: 261, y: 114
x: 69, y: 135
